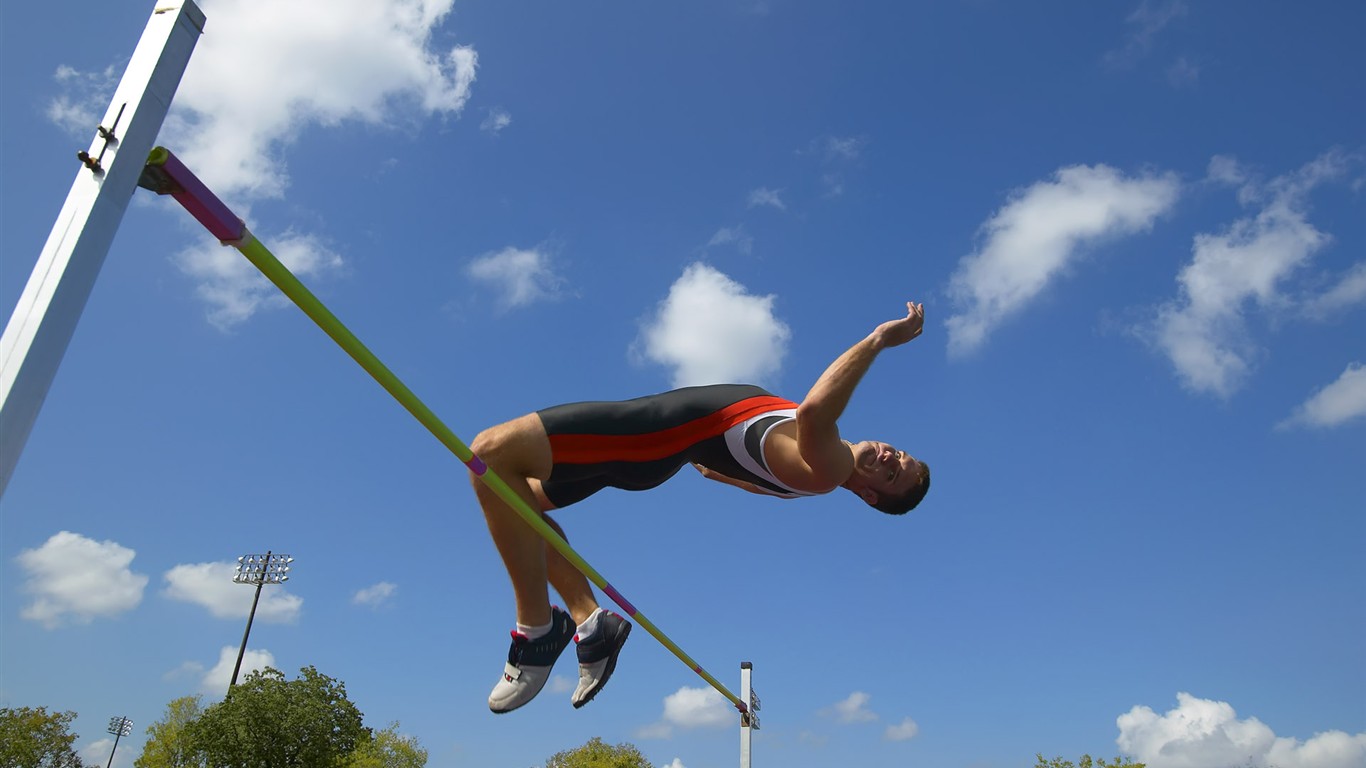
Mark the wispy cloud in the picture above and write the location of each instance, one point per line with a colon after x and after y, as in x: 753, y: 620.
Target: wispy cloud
x: 1337, y: 403
x: 853, y: 709
x: 75, y: 579
x: 734, y: 236
x: 1347, y: 292
x: 905, y: 730
x: 376, y: 595
x: 1203, y: 732
x: 690, y: 708
x: 496, y: 120
x: 233, y: 290
x: 711, y: 330
x: 1039, y: 233
x: 210, y: 585
x: 763, y: 196
x: 1144, y: 24
x: 518, y: 277
x: 1203, y: 331
x: 836, y: 157
x: 82, y: 98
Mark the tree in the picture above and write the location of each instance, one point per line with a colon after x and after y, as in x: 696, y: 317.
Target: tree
x: 35, y: 738
x: 168, y: 740
x: 1086, y: 762
x: 387, y: 749
x: 596, y: 754
x: 269, y: 722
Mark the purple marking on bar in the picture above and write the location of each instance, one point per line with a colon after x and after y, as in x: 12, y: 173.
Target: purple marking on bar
x: 744, y: 710
x: 619, y: 600
x: 202, y: 204
x: 477, y: 465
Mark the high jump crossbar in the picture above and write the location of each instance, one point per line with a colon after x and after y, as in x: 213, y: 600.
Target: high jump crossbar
x: 166, y: 175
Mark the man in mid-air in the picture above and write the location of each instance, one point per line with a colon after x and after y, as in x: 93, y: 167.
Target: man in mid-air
x: 736, y: 434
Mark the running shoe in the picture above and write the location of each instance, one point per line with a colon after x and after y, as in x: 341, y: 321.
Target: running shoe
x: 529, y: 662
x: 598, y: 655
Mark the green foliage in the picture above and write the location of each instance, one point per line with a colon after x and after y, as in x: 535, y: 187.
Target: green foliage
x: 270, y: 722
x: 168, y: 740
x: 1086, y: 762
x: 267, y: 721
x: 35, y: 738
x: 596, y: 754
x: 387, y: 749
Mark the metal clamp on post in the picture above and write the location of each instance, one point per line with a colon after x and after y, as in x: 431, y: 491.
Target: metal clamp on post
x: 94, y: 163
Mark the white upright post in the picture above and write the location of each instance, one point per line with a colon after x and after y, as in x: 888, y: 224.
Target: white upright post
x: 749, y: 721
x: 45, y: 318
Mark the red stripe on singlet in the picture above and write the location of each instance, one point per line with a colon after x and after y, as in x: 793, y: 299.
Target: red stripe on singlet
x: 592, y: 449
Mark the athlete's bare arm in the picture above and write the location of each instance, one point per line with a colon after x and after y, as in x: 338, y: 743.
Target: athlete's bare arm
x: 712, y: 474
x: 818, y: 444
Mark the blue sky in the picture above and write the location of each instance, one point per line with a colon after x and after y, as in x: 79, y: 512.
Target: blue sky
x: 1136, y: 227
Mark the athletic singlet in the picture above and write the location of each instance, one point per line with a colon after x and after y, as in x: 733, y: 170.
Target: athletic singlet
x: 746, y: 444
x: 638, y: 444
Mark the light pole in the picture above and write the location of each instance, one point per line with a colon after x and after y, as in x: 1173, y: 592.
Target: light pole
x: 260, y: 570
x: 119, y: 726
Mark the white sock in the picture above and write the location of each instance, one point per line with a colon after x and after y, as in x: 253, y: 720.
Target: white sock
x: 533, y: 633
x: 589, y: 624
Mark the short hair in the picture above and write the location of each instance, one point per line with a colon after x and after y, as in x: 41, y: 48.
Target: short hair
x: 900, y: 505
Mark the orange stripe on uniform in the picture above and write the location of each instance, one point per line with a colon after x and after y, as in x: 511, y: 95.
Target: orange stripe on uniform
x: 651, y: 446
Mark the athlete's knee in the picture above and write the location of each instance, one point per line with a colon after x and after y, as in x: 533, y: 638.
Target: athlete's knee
x: 516, y: 447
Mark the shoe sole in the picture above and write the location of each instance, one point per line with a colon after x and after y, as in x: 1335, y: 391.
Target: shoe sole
x: 611, y: 665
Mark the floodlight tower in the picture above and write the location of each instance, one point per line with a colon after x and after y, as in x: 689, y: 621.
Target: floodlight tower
x: 119, y: 726
x: 260, y: 570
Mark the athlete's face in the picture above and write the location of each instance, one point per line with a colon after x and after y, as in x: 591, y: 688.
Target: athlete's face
x: 882, y: 470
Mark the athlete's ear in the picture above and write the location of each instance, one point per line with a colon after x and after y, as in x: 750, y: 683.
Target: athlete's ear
x: 868, y: 495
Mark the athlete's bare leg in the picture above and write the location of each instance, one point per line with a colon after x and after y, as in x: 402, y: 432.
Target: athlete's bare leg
x: 518, y: 451
x: 572, y: 585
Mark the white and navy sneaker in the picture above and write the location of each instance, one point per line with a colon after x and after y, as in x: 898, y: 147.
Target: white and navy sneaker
x: 598, y: 655
x: 529, y: 662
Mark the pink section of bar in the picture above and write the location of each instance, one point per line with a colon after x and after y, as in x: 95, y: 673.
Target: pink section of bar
x: 201, y: 203
x: 621, y: 601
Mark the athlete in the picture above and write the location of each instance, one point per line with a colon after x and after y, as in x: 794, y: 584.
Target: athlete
x: 736, y: 434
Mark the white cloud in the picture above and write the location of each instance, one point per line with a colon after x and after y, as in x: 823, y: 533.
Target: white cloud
x: 518, y: 277
x: 312, y: 63
x: 1203, y: 331
x: 1335, y: 404
x: 234, y: 290
x: 210, y: 585
x: 853, y: 709
x: 765, y: 196
x: 74, y: 578
x: 736, y: 236
x: 677, y: 763
x: 97, y: 753
x: 691, y: 708
x: 496, y: 120
x: 217, y: 680
x: 1039, y: 233
x: 1200, y: 733
x: 711, y: 330
x: 376, y: 595
x: 903, y: 731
